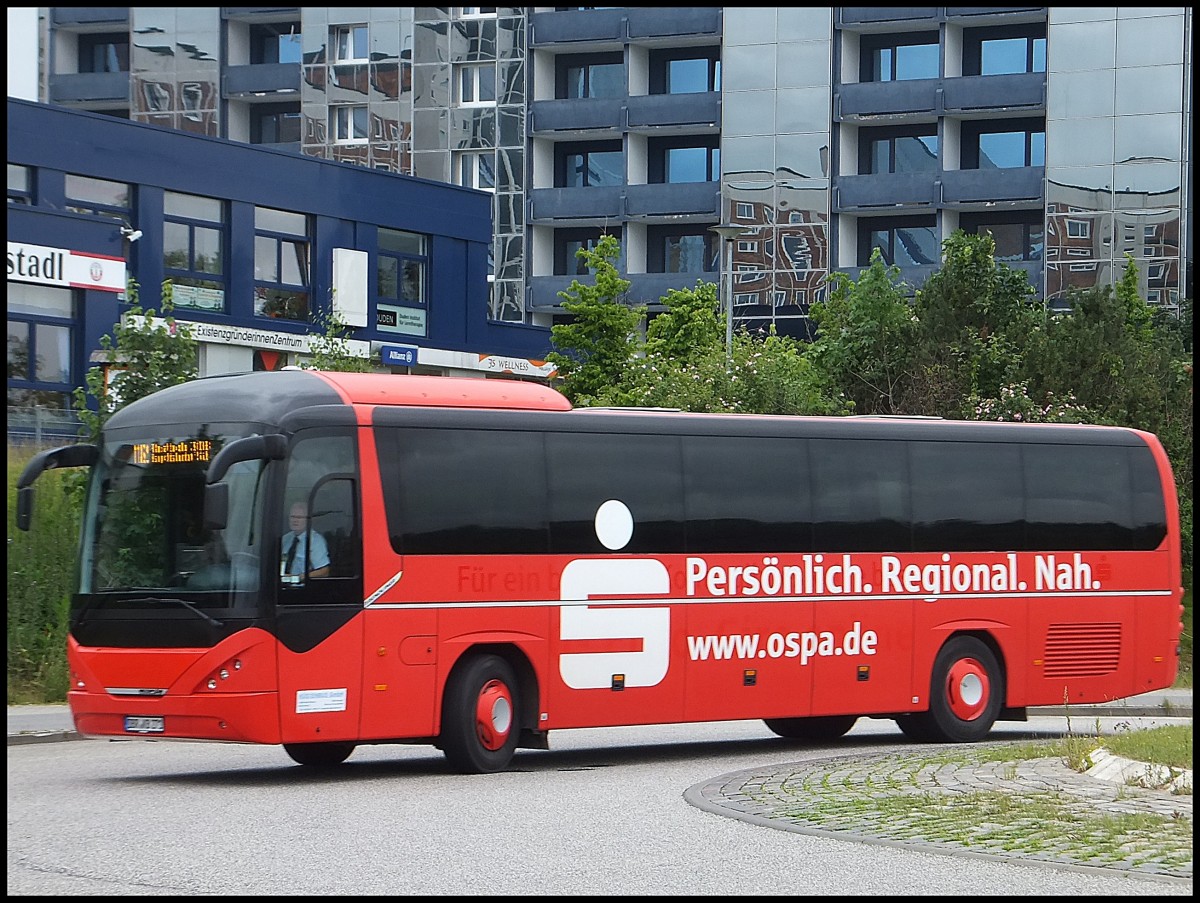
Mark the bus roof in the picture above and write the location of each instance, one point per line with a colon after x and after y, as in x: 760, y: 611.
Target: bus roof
x: 444, y: 391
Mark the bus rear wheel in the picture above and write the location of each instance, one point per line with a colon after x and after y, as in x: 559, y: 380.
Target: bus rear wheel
x: 479, y: 716
x: 966, y: 694
x: 818, y: 729
x: 321, y: 755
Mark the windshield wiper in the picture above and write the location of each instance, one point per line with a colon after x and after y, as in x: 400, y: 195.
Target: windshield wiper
x: 158, y: 600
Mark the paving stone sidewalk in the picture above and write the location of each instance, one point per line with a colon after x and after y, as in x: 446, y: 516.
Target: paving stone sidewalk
x: 943, y: 803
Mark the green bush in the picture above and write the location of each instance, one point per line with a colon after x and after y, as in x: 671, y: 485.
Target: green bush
x: 41, y: 573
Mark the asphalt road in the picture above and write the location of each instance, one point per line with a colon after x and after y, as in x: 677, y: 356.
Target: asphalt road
x: 602, y: 812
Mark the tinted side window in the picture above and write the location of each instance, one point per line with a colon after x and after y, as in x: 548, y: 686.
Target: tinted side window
x: 860, y: 496
x: 1149, y: 512
x: 966, y: 495
x: 1079, y: 497
x: 747, y: 495
x: 463, y: 492
x: 585, y: 470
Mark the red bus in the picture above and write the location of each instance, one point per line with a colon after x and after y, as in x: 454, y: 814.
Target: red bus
x: 486, y: 564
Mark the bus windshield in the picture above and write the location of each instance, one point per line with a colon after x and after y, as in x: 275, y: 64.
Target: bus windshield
x: 144, y: 528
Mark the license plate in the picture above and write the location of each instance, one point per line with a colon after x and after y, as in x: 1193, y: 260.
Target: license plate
x: 143, y: 724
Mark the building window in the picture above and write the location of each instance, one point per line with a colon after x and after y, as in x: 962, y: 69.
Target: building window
x: 104, y: 52
x: 1020, y: 143
x: 275, y: 124
x: 676, y: 161
x: 402, y: 267
x: 692, y: 71
x: 567, y: 244
x: 908, y: 241
x: 898, y: 151
x: 282, y: 269
x: 673, y: 250
x: 99, y: 197
x: 596, y: 75
x: 349, y: 124
x: 349, y: 43
x: 277, y: 42
x: 40, y: 338
x: 1079, y: 228
x: 1019, y: 236
x: 1008, y: 50
x: 476, y: 84
x: 892, y: 58
x: 477, y: 169
x: 599, y: 163
x: 194, y: 250
x: 20, y: 184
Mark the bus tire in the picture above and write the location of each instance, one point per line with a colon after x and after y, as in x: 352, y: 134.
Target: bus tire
x: 966, y: 693
x: 479, y: 716
x: 319, y: 755
x: 818, y: 729
x: 915, y: 727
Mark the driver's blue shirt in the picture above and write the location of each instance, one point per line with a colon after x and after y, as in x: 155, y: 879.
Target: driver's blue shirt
x: 318, y: 558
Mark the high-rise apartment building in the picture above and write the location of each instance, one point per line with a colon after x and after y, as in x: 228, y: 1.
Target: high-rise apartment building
x: 823, y: 132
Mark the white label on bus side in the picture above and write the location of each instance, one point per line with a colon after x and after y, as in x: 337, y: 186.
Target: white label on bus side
x: 308, y: 701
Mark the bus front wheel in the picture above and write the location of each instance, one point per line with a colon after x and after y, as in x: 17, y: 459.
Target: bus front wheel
x: 818, y: 729
x: 322, y: 755
x: 966, y: 694
x: 479, y: 716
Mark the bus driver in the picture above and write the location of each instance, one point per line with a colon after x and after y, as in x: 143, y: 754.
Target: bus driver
x: 295, y: 548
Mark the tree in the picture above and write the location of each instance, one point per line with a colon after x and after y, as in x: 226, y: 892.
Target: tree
x: 331, y: 349
x: 682, y: 361
x: 976, y: 317
x: 144, y: 357
x: 866, y: 333
x: 598, y: 346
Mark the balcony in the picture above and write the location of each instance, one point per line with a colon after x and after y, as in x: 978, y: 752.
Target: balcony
x: 888, y: 189
x: 649, y: 22
x: 261, y: 14
x: 576, y: 206
x: 684, y: 114
x: 92, y: 88
x: 599, y: 29
x: 89, y: 18
x: 918, y: 98
x: 684, y: 201
x: 644, y: 289
x: 1024, y: 91
x: 994, y: 187
x: 596, y: 117
x: 264, y: 82
x: 861, y: 17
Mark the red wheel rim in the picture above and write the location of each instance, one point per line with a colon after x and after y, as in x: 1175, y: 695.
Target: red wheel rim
x: 968, y: 689
x: 493, y: 714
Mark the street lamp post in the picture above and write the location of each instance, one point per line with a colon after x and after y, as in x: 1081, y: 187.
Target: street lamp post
x: 728, y: 232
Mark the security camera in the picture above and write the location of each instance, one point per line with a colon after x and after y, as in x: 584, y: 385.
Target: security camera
x: 131, y: 235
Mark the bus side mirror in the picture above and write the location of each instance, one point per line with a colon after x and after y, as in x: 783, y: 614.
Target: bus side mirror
x: 271, y: 447
x: 51, y: 459
x: 24, y: 507
x: 216, y: 506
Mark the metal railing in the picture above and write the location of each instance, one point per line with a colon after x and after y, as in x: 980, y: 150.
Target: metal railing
x: 40, y: 425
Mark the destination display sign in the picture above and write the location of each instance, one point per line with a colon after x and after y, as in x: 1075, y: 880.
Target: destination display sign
x: 187, y: 451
